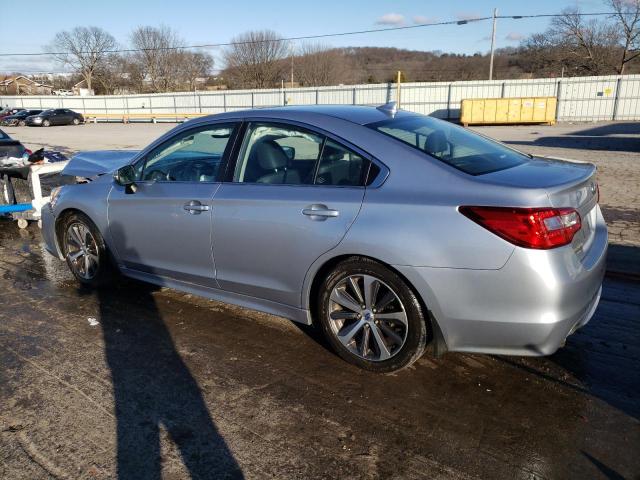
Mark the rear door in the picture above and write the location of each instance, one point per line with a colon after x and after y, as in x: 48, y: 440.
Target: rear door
x: 164, y: 227
x: 291, y: 197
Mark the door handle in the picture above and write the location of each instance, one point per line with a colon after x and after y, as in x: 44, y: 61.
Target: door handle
x: 319, y: 212
x: 194, y: 207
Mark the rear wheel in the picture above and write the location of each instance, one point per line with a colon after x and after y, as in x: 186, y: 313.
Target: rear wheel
x: 85, y: 251
x: 371, y: 317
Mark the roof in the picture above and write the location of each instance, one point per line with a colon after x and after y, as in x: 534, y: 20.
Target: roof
x: 360, y: 115
x: 9, y: 80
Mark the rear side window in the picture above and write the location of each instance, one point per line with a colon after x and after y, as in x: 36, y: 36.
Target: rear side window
x: 340, y: 166
x: 456, y: 146
x: 275, y: 153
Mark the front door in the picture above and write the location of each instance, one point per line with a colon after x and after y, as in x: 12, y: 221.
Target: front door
x: 164, y: 227
x: 293, y: 196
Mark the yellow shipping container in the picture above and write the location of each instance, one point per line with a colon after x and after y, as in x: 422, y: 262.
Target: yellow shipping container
x: 508, y: 110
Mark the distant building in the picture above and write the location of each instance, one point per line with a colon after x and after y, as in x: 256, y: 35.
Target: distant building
x: 21, y: 85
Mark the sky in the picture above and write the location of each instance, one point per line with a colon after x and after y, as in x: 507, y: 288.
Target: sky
x: 213, y: 21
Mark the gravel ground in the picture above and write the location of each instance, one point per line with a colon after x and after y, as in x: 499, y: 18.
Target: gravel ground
x: 141, y: 383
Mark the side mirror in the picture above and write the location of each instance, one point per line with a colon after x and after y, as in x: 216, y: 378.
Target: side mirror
x: 126, y: 177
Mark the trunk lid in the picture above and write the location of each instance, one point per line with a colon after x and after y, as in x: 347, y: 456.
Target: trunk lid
x: 99, y: 162
x: 567, y: 183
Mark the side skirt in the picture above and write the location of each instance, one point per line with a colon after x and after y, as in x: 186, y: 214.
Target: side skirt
x: 292, y: 313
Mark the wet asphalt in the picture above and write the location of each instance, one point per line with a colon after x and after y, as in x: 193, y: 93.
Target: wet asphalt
x: 137, y: 383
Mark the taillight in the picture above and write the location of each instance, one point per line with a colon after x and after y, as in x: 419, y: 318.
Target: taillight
x: 29, y: 152
x: 540, y: 228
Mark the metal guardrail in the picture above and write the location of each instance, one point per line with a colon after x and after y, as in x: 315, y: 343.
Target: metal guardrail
x: 612, y: 97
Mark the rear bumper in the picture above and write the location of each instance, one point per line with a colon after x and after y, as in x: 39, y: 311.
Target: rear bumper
x: 528, y: 307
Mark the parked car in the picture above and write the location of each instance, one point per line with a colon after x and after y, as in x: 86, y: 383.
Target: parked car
x: 19, y: 118
x: 9, y: 111
x: 389, y: 230
x: 55, y: 116
x: 10, y: 147
x: 63, y: 93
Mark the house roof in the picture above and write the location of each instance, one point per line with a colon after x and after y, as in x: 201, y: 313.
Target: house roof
x: 9, y: 80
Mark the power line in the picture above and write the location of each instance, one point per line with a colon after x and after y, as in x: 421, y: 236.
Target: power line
x: 324, y: 35
x: 309, y: 37
x: 227, y: 44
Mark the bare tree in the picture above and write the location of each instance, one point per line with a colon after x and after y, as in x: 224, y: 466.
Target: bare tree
x: 157, y: 50
x: 318, y: 64
x: 590, y: 43
x: 255, y: 59
x: 85, y: 49
x: 194, y: 65
x: 627, y: 16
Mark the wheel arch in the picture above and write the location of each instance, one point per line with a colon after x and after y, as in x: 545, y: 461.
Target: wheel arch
x: 64, y: 214
x: 310, y: 300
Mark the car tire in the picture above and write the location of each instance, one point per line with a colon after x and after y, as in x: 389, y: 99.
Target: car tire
x: 46, y: 123
x: 22, y: 123
x: 80, y: 238
x: 389, y: 333
x: 76, y: 121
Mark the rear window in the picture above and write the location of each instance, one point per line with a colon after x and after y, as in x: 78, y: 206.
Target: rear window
x: 453, y: 145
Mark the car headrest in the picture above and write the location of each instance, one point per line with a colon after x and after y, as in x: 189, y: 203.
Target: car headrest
x: 436, y: 142
x: 270, y: 155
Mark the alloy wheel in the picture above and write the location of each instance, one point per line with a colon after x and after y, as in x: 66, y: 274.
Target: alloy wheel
x: 82, y: 251
x: 368, y: 317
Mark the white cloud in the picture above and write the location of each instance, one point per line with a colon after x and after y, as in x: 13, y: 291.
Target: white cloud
x: 514, y: 37
x: 419, y: 19
x: 395, y: 19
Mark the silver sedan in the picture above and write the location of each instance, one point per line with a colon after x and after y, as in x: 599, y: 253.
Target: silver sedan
x: 391, y: 231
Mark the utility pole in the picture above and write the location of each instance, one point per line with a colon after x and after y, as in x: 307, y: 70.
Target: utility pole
x: 291, y: 49
x: 493, y: 42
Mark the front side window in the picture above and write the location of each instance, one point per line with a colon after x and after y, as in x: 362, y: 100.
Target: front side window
x: 289, y: 155
x: 192, y: 156
x: 456, y: 146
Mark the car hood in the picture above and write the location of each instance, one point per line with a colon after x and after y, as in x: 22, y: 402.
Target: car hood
x: 99, y: 162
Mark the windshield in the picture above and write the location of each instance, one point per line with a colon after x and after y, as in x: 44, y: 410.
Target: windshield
x: 456, y: 146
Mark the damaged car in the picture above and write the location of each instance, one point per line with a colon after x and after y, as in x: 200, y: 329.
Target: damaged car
x: 389, y: 230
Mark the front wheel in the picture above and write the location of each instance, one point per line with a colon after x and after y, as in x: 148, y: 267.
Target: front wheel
x: 22, y: 123
x: 85, y: 251
x: 46, y: 123
x: 76, y: 121
x: 371, y: 317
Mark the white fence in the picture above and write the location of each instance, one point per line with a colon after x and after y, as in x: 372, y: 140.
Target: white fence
x: 610, y: 97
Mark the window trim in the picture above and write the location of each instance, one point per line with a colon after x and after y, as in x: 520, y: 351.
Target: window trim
x: 288, y: 123
x: 237, y: 124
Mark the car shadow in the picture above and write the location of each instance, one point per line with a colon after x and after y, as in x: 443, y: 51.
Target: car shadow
x: 154, y: 391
